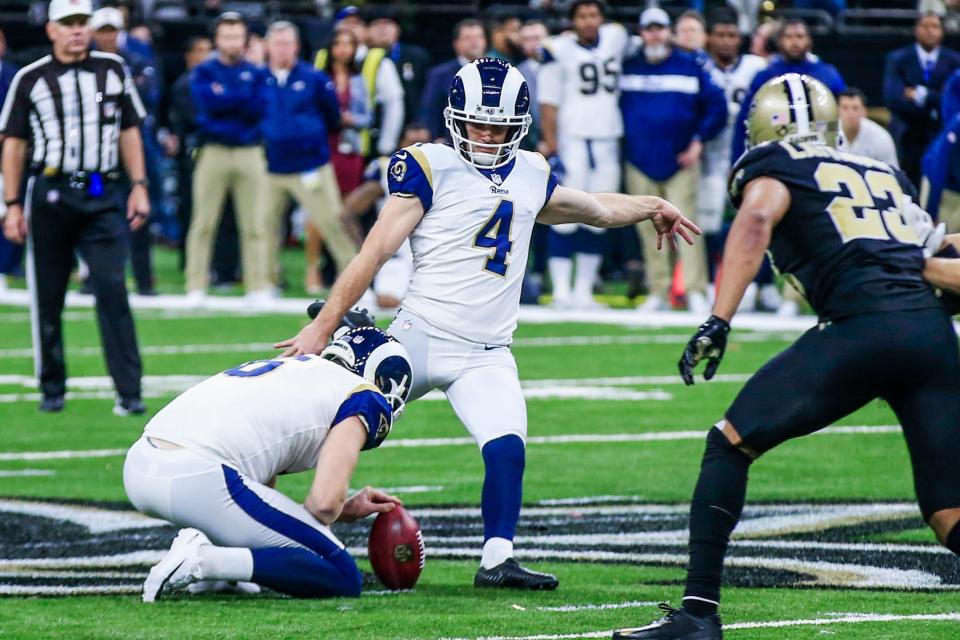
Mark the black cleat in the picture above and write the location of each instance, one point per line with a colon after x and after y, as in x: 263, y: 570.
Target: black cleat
x: 510, y: 575
x: 676, y: 625
x: 354, y: 318
x: 129, y: 407
x: 51, y: 404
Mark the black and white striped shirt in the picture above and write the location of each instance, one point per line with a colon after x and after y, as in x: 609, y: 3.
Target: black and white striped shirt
x: 72, y: 114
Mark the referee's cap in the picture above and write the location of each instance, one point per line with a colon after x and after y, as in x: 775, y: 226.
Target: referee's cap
x: 60, y: 9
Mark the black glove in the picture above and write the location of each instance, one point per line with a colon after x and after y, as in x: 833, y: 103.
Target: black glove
x: 354, y: 318
x: 709, y: 342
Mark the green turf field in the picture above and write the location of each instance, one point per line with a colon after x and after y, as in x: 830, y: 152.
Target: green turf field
x: 831, y: 543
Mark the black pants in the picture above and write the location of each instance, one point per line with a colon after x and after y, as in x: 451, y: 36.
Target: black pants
x: 64, y: 221
x: 908, y: 358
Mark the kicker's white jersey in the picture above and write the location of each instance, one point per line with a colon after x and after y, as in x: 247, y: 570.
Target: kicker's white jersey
x: 269, y: 417
x: 584, y: 83
x: 735, y: 82
x: 470, y: 248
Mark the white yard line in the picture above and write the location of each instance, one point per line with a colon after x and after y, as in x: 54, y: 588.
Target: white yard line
x: 600, y: 607
x: 585, y: 438
x: 850, y: 618
x: 27, y: 473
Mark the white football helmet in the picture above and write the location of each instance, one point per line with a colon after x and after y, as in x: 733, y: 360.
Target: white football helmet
x: 488, y: 91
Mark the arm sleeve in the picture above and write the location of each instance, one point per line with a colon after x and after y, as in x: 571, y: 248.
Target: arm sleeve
x: 374, y: 412
x: 326, y: 101
x: 205, y: 98
x: 713, y: 108
x: 15, y: 116
x: 408, y: 179
x: 950, y: 97
x: 390, y: 96
x: 132, y: 111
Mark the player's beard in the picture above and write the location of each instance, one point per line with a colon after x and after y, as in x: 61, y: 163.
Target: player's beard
x: 656, y: 52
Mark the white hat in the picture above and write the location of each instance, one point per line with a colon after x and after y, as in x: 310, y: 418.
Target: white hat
x: 654, y: 15
x: 106, y: 17
x: 60, y: 9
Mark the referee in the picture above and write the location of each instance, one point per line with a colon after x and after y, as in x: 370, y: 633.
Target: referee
x: 79, y: 112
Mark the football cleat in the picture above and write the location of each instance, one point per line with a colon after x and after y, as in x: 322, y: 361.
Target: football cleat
x: 129, y: 407
x: 179, y: 567
x: 510, y: 575
x: 354, y: 318
x: 51, y: 404
x: 678, y: 624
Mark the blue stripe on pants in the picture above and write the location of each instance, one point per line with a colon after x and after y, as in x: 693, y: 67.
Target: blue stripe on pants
x: 323, y: 569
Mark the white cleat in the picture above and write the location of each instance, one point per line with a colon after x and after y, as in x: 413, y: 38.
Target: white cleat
x: 749, y: 300
x: 697, y: 304
x: 195, y: 298
x: 789, y: 309
x: 179, y: 567
x: 770, y: 297
x: 653, y: 303
x: 589, y: 304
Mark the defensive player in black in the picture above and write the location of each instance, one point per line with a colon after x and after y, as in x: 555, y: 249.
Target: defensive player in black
x: 836, y: 227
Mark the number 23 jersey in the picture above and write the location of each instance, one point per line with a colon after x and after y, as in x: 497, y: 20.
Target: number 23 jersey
x: 470, y: 248
x: 843, y: 242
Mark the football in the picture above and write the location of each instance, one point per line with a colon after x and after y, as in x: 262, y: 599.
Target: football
x: 396, y: 549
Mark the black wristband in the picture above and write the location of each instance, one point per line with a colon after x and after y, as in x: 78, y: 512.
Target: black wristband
x: 14, y: 201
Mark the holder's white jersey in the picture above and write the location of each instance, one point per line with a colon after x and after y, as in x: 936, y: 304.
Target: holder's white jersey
x: 735, y: 82
x: 270, y: 417
x: 584, y: 83
x: 470, y: 248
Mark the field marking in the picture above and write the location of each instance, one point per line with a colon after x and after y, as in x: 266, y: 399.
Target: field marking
x: 600, y: 607
x: 587, y: 438
x: 27, y: 473
x: 532, y: 342
x: 850, y: 618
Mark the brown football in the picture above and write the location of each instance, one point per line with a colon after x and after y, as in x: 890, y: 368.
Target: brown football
x: 396, y: 549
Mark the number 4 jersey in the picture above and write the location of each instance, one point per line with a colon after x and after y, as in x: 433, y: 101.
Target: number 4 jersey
x: 470, y: 248
x: 843, y: 242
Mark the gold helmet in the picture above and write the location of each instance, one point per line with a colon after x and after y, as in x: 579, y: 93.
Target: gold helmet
x: 793, y: 108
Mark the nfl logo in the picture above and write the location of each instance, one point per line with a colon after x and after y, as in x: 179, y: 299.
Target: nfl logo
x: 497, y: 180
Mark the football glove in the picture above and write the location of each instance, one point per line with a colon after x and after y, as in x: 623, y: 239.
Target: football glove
x: 931, y: 235
x: 354, y: 318
x: 709, y: 342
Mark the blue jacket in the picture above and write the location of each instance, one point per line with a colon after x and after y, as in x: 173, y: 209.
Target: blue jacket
x: 903, y: 70
x: 230, y: 101
x: 665, y: 106
x: 941, y: 166
x: 300, y: 115
x: 950, y: 97
x: 811, y: 66
x: 434, y: 101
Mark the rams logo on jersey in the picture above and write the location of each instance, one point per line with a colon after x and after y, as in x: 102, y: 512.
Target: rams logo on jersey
x: 398, y: 171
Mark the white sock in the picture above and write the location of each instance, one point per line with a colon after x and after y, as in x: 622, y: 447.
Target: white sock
x: 560, y: 271
x: 588, y: 266
x: 495, y: 551
x: 225, y: 563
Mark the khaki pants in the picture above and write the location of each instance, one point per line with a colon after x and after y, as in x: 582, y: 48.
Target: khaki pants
x: 241, y: 172
x: 681, y: 190
x: 318, y: 193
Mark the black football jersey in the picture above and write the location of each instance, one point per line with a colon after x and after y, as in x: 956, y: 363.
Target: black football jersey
x: 843, y: 243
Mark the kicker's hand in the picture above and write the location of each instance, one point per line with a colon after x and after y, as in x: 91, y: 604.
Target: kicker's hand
x: 709, y: 342
x: 365, y: 502
x: 311, y: 339
x: 670, y: 223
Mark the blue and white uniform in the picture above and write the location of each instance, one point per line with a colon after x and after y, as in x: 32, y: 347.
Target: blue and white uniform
x: 469, y: 255
x: 236, y: 431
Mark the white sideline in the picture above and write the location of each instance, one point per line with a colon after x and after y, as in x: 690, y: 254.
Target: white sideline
x: 648, y: 436
x: 848, y: 618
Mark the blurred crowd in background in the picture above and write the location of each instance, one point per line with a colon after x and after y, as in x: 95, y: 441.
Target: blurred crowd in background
x: 266, y: 134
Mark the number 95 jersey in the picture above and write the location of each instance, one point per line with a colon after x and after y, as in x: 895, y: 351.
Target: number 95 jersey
x: 470, y: 248
x: 844, y: 242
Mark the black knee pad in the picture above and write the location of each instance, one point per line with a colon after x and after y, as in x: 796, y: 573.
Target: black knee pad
x: 719, y: 445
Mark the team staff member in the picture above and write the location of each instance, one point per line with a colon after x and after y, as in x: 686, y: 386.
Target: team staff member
x: 302, y: 110
x: 230, y: 98
x: 80, y: 113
